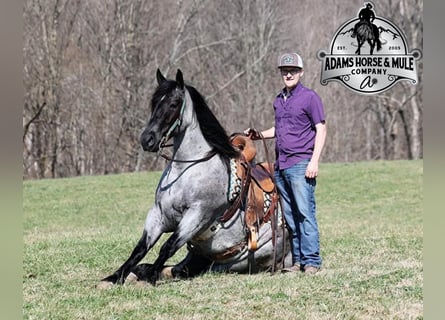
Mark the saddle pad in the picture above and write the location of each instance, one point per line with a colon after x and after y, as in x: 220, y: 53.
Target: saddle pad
x: 234, y: 183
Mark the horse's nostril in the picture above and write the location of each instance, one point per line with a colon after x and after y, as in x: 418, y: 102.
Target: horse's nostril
x: 151, y: 141
x: 148, y: 141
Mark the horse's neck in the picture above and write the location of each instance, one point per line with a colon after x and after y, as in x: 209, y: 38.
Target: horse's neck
x: 190, y: 144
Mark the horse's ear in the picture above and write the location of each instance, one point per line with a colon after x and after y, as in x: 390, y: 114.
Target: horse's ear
x: 180, y: 79
x: 160, y: 77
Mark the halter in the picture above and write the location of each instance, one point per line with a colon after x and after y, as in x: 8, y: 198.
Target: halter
x: 172, y: 128
x: 167, y: 137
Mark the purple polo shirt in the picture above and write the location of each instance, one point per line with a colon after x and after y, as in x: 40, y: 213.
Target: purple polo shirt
x: 295, y: 120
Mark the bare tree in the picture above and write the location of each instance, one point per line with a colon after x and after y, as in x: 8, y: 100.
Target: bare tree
x: 89, y: 75
x: 49, y: 36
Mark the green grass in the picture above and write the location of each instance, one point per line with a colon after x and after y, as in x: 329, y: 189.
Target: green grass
x: 78, y: 230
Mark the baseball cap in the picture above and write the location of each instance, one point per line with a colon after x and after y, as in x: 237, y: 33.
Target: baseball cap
x: 290, y: 60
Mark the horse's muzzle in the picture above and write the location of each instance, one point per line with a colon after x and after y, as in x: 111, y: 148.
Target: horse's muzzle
x: 149, y: 142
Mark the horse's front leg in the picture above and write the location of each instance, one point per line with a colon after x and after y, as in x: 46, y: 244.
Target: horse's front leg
x: 168, y: 249
x: 152, y: 232
x: 191, y: 266
x: 187, y: 229
x: 137, y: 255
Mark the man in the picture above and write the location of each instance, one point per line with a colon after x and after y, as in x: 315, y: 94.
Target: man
x: 366, y: 15
x: 300, y: 134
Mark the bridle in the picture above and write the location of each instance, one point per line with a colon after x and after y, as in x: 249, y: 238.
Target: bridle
x: 173, y: 127
x: 176, y: 124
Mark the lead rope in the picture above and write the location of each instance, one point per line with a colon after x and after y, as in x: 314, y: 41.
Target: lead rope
x: 274, y: 220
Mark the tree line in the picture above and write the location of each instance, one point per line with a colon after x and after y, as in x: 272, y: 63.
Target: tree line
x: 89, y: 73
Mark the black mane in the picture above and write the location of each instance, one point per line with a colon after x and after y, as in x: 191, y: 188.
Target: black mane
x: 163, y: 89
x: 212, y: 130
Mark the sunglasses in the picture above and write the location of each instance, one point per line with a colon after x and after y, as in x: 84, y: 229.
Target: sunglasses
x: 293, y: 72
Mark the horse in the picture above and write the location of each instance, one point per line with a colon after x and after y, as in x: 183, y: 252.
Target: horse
x: 191, y: 200
x: 366, y: 31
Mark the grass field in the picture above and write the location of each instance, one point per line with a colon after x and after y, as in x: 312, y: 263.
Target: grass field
x: 78, y: 230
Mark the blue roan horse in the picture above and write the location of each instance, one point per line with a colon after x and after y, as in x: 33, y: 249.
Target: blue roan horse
x: 192, y: 197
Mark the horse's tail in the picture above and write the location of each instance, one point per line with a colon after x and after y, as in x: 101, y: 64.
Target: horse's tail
x: 377, y: 37
x: 379, y: 44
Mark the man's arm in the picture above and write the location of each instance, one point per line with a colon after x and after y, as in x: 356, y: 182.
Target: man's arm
x: 255, y: 135
x: 320, y: 138
x: 269, y: 133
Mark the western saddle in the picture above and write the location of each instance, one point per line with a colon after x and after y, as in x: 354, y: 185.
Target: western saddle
x: 257, y: 194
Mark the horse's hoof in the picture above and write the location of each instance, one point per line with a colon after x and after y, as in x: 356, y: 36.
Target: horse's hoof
x: 154, y: 277
x: 131, y: 278
x: 141, y: 284
x: 166, y: 273
x: 103, y: 285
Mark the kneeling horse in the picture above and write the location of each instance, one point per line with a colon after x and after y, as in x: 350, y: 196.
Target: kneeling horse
x: 211, y: 197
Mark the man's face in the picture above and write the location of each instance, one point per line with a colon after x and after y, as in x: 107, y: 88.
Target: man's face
x: 291, y: 76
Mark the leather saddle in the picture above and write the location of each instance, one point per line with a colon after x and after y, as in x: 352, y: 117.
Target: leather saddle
x: 258, y: 193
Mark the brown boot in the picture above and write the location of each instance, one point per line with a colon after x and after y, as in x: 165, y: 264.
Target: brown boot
x: 295, y: 268
x: 311, y: 269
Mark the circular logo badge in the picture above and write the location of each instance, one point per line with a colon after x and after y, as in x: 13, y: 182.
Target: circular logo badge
x: 368, y: 56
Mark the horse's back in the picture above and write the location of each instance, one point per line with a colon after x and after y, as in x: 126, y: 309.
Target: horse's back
x: 365, y: 30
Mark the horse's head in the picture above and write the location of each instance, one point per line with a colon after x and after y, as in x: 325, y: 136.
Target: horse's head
x: 167, y: 104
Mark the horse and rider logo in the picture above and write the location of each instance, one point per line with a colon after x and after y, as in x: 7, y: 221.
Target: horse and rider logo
x: 369, y: 55
x: 288, y: 60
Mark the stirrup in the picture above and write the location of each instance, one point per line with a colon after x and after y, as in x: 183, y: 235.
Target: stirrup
x: 253, y: 239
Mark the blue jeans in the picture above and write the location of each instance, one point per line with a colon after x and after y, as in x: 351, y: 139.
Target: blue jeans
x: 298, y: 200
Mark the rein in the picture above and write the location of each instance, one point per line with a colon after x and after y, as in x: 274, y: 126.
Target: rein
x: 274, y: 219
x: 169, y: 158
x: 167, y: 136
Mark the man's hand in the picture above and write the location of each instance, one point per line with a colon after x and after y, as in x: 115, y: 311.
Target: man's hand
x: 312, y: 169
x: 252, y: 133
